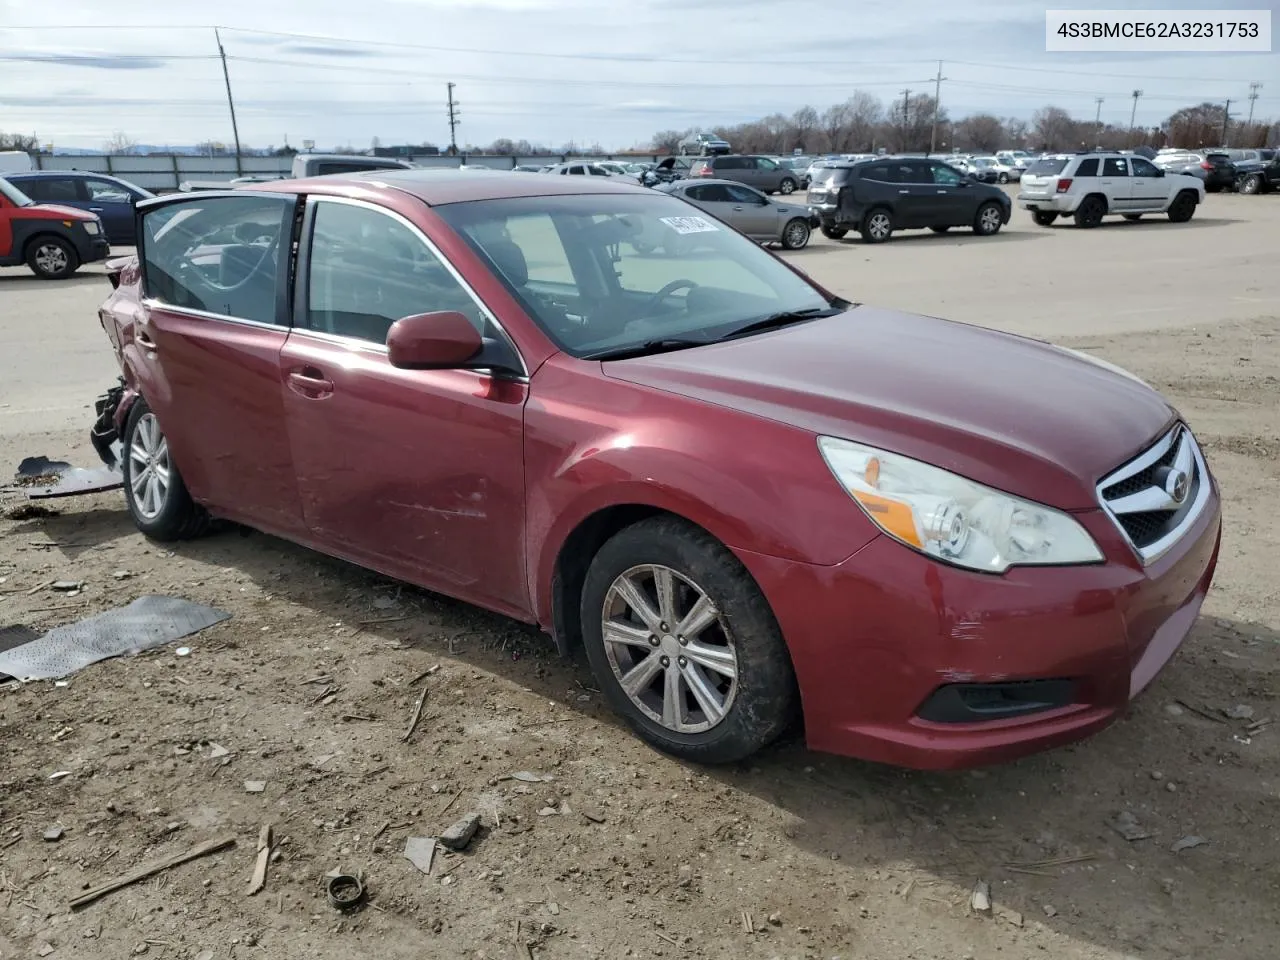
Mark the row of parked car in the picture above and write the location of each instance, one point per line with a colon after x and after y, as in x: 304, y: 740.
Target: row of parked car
x: 1244, y: 171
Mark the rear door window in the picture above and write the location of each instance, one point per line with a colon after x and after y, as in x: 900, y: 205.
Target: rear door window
x: 1115, y: 167
x: 734, y: 163
x: 220, y: 255
x: 53, y: 189
x: 879, y: 172
x: 1088, y: 168
x: 1047, y: 167
x: 740, y: 194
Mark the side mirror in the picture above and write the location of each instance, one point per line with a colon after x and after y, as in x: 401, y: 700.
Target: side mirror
x: 1159, y: 172
x: 433, y: 341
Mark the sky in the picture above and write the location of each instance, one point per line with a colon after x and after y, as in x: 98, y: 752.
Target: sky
x: 552, y: 71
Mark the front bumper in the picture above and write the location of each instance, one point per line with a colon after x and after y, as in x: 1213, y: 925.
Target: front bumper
x: 91, y: 249
x: 873, y: 639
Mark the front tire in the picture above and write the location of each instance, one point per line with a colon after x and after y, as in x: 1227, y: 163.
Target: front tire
x: 154, y: 492
x: 684, y: 645
x: 787, y: 186
x: 834, y: 233
x: 1003, y: 178
x: 795, y: 235
x: 1249, y: 184
x: 877, y: 226
x: 52, y: 258
x: 988, y: 220
x: 1044, y: 218
x: 1090, y: 212
x: 1183, y: 207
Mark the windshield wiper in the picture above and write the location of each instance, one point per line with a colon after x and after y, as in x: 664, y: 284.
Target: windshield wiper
x: 647, y: 348
x: 781, y: 319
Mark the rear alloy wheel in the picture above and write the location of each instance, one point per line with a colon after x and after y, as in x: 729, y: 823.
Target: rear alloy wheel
x: 1003, y: 178
x: 877, y: 227
x: 153, y: 489
x: 684, y: 645
x: 1133, y: 216
x: 1044, y: 218
x: 795, y: 235
x: 52, y: 258
x: 1249, y: 184
x: 1090, y: 212
x: 834, y: 233
x: 787, y: 185
x: 1183, y: 207
x: 989, y: 220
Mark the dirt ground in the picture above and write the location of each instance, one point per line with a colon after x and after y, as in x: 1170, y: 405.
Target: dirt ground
x: 622, y: 852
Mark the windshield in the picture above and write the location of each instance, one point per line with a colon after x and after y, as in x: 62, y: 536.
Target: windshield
x: 611, y: 272
x: 14, y: 195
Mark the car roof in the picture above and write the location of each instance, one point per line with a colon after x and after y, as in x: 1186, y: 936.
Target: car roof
x: 442, y: 186
x: 37, y: 174
x: 702, y: 181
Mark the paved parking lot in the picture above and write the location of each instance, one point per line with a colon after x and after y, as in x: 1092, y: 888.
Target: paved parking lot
x: 854, y: 861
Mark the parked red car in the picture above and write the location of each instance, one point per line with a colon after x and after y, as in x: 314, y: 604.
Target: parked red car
x: 52, y: 240
x: 745, y: 497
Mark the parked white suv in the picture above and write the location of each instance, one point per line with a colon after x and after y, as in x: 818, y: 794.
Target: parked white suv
x: 1090, y: 186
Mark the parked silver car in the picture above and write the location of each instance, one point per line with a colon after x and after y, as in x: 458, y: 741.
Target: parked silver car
x: 748, y: 211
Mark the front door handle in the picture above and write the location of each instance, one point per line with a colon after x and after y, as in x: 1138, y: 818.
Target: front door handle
x: 95, y: 209
x: 904, y: 191
x: 738, y: 209
x: 309, y: 383
x: 943, y: 192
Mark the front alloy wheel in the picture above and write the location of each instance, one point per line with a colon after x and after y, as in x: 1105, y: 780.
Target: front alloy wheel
x: 151, y: 471
x: 670, y: 651
x: 51, y: 258
x: 154, y: 492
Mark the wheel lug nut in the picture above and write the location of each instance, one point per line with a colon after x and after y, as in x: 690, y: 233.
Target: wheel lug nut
x: 682, y: 661
x: 665, y: 661
x: 653, y: 641
x: 684, y: 641
x: 663, y: 627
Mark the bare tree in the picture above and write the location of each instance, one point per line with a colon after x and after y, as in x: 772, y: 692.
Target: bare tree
x: 503, y: 147
x: 981, y: 132
x: 19, y: 141
x: 1015, y: 129
x: 120, y: 142
x: 804, y: 124
x: 666, y: 141
x: 910, y: 122
x: 1052, y: 128
x: 865, y: 112
x: 1198, y: 126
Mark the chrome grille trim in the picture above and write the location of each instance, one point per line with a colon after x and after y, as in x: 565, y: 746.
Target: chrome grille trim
x: 1153, y: 498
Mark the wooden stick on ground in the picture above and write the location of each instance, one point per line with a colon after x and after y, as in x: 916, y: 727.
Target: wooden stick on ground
x: 417, y: 717
x: 259, y: 879
x: 195, y: 853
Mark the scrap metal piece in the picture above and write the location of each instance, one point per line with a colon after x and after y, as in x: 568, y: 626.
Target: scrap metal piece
x: 148, y: 622
x: 345, y: 892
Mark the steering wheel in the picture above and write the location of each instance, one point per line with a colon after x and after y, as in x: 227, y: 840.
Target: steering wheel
x: 666, y: 291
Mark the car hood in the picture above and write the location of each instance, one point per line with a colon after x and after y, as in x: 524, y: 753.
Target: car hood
x: 56, y: 211
x: 1014, y: 413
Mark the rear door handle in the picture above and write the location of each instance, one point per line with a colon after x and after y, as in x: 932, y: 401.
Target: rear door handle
x: 904, y: 191
x: 942, y: 192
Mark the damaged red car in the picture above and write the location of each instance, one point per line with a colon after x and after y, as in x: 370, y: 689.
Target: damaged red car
x: 750, y: 502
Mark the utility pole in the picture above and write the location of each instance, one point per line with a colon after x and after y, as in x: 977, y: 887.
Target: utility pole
x: 1133, y: 113
x: 1097, y: 122
x: 1253, y: 96
x: 937, y: 101
x: 1226, y: 119
x: 906, y: 106
x: 226, y: 78
x: 454, y: 120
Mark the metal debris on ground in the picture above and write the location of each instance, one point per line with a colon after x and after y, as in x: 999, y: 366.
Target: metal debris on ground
x: 344, y: 891
x: 420, y: 851
x: 217, y: 751
x: 202, y: 850
x: 255, y: 786
x: 43, y: 478
x: 459, y: 834
x: 16, y: 635
x: 1186, y: 843
x: 1126, y: 824
x: 148, y: 622
x: 980, y: 899
x: 524, y: 776
x: 53, y: 834
x: 67, y: 586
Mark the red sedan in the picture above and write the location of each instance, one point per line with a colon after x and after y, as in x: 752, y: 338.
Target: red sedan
x: 745, y: 498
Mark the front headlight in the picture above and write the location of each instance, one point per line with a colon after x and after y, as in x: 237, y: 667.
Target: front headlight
x: 951, y: 518
x: 91, y: 227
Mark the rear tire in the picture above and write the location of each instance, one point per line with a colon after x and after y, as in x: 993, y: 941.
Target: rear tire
x: 877, y: 226
x: 787, y: 186
x: 1212, y: 187
x: 154, y: 492
x: 1090, y: 212
x: 988, y: 220
x: 52, y: 258
x: 1183, y: 207
x: 834, y: 233
x: 1003, y: 178
x: 795, y: 235
x: 1044, y: 218
x: 739, y: 635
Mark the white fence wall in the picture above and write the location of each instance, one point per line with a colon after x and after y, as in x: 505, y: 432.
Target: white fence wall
x: 164, y: 173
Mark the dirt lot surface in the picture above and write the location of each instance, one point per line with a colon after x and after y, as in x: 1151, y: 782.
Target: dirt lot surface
x: 622, y: 852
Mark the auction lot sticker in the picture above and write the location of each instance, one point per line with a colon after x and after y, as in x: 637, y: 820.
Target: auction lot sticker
x: 1170, y: 31
x: 690, y: 225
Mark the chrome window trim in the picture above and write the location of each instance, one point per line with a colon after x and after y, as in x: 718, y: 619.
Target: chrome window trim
x: 153, y: 303
x: 319, y: 199
x: 1155, y: 550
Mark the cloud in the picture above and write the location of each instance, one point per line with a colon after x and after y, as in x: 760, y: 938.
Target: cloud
x: 93, y: 61
x: 328, y: 50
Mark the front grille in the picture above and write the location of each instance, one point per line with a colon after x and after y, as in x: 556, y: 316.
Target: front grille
x: 1158, y: 494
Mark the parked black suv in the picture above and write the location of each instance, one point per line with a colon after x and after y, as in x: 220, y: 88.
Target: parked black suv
x: 1219, y: 172
x: 879, y: 196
